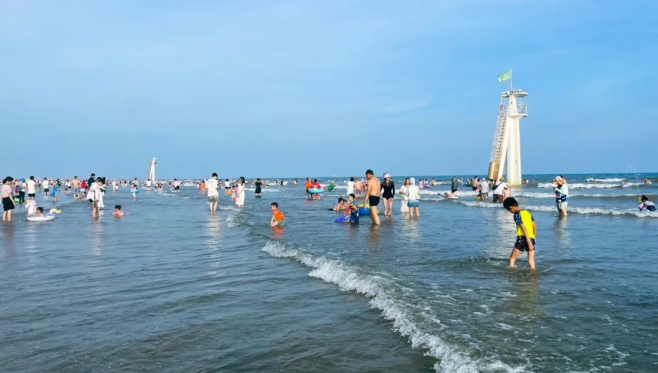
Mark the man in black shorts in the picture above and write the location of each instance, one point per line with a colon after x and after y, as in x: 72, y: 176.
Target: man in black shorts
x: 373, y: 193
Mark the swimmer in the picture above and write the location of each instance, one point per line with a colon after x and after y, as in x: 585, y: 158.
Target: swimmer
x: 372, y: 197
x: 647, y: 181
x: 647, y: 205
x: 117, y: 211
x: 340, y: 205
x: 277, y: 216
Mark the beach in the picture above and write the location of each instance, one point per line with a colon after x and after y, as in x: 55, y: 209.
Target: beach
x: 174, y: 288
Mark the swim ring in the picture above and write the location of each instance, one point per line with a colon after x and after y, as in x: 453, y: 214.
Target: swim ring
x: 364, y: 209
x: 331, y: 187
x: 343, y: 219
x: 315, y: 191
x: 41, y: 218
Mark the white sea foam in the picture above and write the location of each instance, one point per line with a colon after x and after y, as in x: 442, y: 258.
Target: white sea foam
x: 384, y: 295
x: 591, y: 186
x: 606, y: 180
x: 573, y: 210
x: 436, y: 192
x: 263, y: 189
x: 231, y: 221
x: 585, y: 195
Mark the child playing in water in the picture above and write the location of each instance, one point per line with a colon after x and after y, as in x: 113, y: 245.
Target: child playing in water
x: 53, y: 192
x: 37, y: 212
x: 134, y: 191
x: 341, y: 205
x: 117, y: 211
x: 525, y: 232
x: 646, y: 204
x: 277, y: 216
x: 353, y: 209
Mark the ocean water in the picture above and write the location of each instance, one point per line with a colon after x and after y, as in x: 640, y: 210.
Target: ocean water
x: 173, y: 288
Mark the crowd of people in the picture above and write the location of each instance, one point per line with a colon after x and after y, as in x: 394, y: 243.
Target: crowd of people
x: 371, y: 191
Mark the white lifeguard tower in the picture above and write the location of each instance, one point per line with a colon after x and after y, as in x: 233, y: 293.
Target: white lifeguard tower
x: 507, y: 139
x: 151, y: 174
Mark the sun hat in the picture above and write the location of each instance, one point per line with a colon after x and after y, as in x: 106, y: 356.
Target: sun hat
x: 387, y: 175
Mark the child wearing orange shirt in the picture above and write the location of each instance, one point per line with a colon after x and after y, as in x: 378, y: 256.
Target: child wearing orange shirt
x: 277, y: 216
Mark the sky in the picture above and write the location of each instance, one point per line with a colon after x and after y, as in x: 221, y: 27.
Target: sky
x: 318, y: 88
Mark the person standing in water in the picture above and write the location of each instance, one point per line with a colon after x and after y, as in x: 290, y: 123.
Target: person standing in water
x: 413, y: 198
x: 257, y: 186
x: 526, y: 231
x: 46, y: 186
x: 350, y: 186
x: 8, y: 204
x: 484, y: 189
x: 388, y: 193
x: 94, y: 196
x: 307, y: 185
x: 404, y: 192
x: 75, y: 184
x: 498, y: 190
x: 31, y: 188
x: 454, y: 185
x: 212, y: 185
x: 373, y: 193
x: 239, y: 199
x: 561, y: 195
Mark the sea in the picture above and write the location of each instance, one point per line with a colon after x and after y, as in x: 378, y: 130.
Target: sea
x: 174, y: 288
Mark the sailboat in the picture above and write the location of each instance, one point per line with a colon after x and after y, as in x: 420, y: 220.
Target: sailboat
x: 151, y: 174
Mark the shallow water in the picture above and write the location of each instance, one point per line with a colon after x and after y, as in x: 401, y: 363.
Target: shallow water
x: 172, y: 288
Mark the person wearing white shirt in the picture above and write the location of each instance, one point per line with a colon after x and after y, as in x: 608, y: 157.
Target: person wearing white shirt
x: 212, y: 186
x: 413, y: 198
x: 31, y: 188
x: 484, y: 189
x: 94, y: 196
x: 499, y: 190
x: 46, y: 186
x: 350, y: 186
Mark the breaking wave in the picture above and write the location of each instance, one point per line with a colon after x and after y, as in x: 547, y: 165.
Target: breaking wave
x: 396, y: 304
x: 573, y: 210
x: 591, y: 186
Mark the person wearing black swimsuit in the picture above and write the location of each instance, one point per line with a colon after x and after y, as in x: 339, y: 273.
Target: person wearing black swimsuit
x: 258, y: 184
x: 388, y: 194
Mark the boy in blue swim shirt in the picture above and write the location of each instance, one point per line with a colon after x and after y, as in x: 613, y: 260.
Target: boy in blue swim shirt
x: 353, y: 209
x: 525, y: 232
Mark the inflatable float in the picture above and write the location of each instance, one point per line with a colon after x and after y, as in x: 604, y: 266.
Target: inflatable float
x: 50, y: 216
x: 315, y: 191
x: 342, y: 219
x: 364, y: 210
x: 331, y: 187
x: 41, y: 218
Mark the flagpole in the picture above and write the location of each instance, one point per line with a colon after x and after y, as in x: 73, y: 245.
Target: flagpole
x: 511, y: 80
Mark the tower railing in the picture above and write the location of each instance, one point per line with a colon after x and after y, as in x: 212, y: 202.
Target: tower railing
x: 521, y: 109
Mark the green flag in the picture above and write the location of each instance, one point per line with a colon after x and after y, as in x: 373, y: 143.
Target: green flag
x: 505, y: 76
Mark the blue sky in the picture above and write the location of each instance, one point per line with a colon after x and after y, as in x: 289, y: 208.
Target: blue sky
x: 296, y: 88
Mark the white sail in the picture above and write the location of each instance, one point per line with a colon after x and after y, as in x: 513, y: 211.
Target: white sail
x: 151, y: 174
